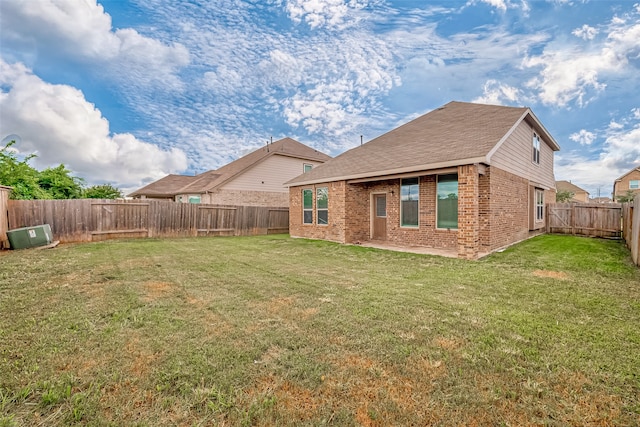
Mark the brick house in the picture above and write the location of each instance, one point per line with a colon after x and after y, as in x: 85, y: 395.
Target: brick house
x: 256, y: 179
x: 630, y: 181
x: 467, y: 178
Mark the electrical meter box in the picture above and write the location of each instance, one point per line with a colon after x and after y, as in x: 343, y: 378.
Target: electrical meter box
x: 30, y: 237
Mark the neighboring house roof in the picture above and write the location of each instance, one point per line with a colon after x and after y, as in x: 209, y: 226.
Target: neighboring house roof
x: 209, y: 181
x: 630, y: 172
x: 568, y: 186
x: 455, y: 134
x: 164, y: 187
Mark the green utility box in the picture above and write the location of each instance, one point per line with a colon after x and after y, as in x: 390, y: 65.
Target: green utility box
x: 30, y: 237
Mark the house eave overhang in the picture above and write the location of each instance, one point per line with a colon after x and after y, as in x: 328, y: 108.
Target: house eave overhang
x: 414, y: 170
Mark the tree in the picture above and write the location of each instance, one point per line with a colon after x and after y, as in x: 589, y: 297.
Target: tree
x: 52, y: 183
x: 564, y: 196
x: 60, y: 184
x: 19, y: 175
x: 627, y: 197
x: 105, y: 191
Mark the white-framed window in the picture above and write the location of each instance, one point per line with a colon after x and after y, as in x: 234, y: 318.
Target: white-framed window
x: 447, y: 202
x: 409, y: 202
x: 194, y: 199
x: 306, y: 167
x: 307, y: 206
x: 322, y: 206
x: 536, y: 149
x: 539, y: 204
x: 634, y: 184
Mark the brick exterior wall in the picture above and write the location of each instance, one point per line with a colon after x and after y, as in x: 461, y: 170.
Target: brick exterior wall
x: 246, y: 198
x: 505, y: 205
x: 335, y: 230
x: 493, y: 212
x: 468, y: 212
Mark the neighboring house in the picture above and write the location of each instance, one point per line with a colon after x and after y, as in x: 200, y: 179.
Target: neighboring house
x: 628, y: 181
x: 253, y: 180
x: 466, y: 177
x: 579, y: 195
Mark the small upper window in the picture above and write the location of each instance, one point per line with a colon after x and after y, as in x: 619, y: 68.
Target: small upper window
x: 634, y: 184
x: 307, y: 167
x: 536, y: 149
x: 194, y: 199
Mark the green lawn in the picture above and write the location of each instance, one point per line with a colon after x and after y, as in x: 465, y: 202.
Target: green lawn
x: 277, y: 331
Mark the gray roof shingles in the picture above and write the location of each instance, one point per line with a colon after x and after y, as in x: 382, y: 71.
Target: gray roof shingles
x: 452, y: 134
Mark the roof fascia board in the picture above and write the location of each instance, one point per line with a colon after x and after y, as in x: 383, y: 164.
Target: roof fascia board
x: 409, y: 170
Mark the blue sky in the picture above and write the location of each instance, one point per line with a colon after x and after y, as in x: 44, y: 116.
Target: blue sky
x: 126, y: 92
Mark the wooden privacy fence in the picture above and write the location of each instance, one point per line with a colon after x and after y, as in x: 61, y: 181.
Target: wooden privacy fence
x: 85, y: 220
x: 585, y: 219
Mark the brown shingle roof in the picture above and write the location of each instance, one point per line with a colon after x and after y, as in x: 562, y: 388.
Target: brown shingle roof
x: 164, y: 187
x: 210, y: 180
x: 454, y: 134
x: 568, y: 186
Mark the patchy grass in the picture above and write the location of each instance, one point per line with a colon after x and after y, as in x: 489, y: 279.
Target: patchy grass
x: 278, y: 331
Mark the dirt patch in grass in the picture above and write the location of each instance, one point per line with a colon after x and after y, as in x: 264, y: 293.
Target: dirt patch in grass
x: 157, y: 290
x: 551, y: 274
x: 450, y: 344
x: 142, y: 359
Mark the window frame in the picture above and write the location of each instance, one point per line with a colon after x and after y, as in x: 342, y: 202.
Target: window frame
x: 319, y: 209
x: 539, y: 205
x: 636, y: 181
x: 438, y: 227
x: 307, y: 209
x: 536, y: 149
x: 306, y: 167
x: 417, y: 200
x: 192, y: 200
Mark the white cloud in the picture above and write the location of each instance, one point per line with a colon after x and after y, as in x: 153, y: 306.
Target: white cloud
x: 325, y: 13
x: 498, y: 4
x: 585, y: 32
x: 584, y: 137
x: 574, y: 74
x: 496, y: 93
x: 58, y: 124
x: 82, y: 31
x: 613, y: 125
